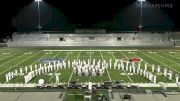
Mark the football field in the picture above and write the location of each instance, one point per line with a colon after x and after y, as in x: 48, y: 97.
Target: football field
x: 12, y: 59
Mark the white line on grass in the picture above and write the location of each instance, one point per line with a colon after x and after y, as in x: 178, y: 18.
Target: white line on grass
x: 171, y: 55
x: 5, y: 54
x: 150, y: 64
x: 126, y: 57
x: 75, y: 94
x: 57, y: 70
x: 37, y: 59
x: 177, y: 53
x: 106, y: 68
x: 13, y: 59
x: 167, y: 58
x: 91, y: 50
x: 124, y: 71
x: 19, y: 63
x: 90, y: 60
x: 3, y: 83
x: 15, y: 66
x: 160, y: 62
x: 31, y: 63
x: 72, y: 69
x: 90, y: 56
x: 9, y: 56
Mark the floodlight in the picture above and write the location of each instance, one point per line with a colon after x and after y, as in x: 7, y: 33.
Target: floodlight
x: 140, y: 26
x: 141, y: 0
x: 38, y: 0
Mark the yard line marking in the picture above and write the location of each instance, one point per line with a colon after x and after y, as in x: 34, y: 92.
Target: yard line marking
x: 170, y: 55
x: 177, y: 54
x: 176, y: 51
x: 78, y: 94
x: 90, y: 62
x: 31, y: 63
x: 20, y: 62
x: 75, y: 94
x: 91, y: 50
x: 38, y: 58
x: 167, y: 58
x: 160, y: 62
x: 173, y: 55
x: 3, y: 50
x: 5, y: 54
x: 72, y: 69
x: 90, y: 56
x: 43, y: 56
x: 9, y: 56
x: 3, y: 84
x: 13, y: 59
x: 57, y: 70
x: 106, y: 68
x: 149, y: 64
x: 124, y: 70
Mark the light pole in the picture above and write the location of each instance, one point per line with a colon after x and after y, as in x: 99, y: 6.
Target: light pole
x: 140, y: 23
x: 39, y: 15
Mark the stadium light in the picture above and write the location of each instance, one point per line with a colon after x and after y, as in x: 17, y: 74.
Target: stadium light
x: 141, y: 0
x: 39, y: 16
x: 38, y: 0
x: 140, y: 23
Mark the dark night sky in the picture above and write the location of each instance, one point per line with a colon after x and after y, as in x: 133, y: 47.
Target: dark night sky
x: 80, y: 13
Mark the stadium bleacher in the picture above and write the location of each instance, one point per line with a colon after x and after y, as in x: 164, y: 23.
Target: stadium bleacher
x: 175, y: 38
x: 108, y: 39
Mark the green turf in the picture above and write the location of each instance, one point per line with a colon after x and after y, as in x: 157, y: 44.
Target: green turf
x: 15, y: 58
